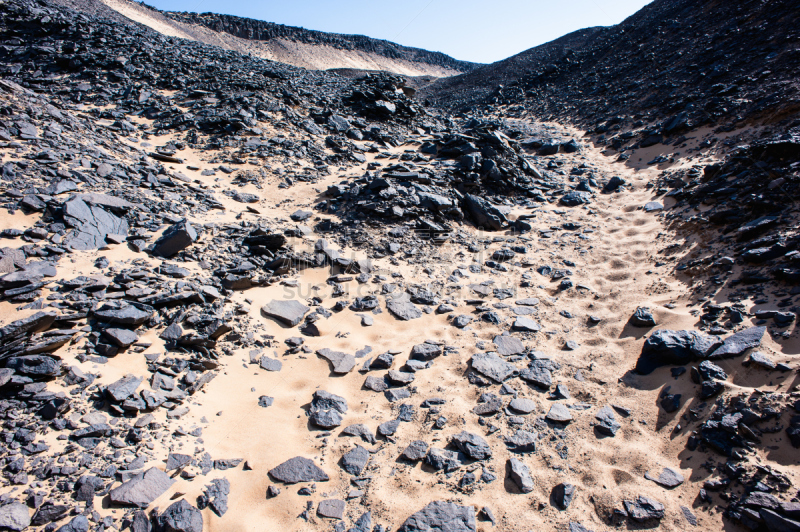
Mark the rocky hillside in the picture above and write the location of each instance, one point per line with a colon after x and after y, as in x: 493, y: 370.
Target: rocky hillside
x: 257, y: 30
x: 294, y: 46
x: 236, y: 294
x: 709, y: 62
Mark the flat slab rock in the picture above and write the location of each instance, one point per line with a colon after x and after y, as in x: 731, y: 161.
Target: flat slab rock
x: 441, y: 516
x: 340, y: 362
x: 669, y: 478
x: 644, y: 508
x: 14, y: 516
x: 520, y: 474
x: 472, y: 445
x: 559, y: 413
x: 287, y: 311
x: 298, y: 469
x: 739, y: 343
x: 180, y: 516
x: 404, y: 310
x: 508, y: 345
x: 142, y: 489
x: 331, y: 508
x: 522, y: 405
x: 492, y: 366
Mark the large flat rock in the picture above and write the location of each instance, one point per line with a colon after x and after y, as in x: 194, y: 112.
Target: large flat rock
x: 298, y: 469
x: 441, y: 516
x: 287, y: 311
x: 142, y: 489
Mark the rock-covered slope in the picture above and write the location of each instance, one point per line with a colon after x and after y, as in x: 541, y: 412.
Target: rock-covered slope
x: 295, y: 46
x: 715, y: 61
x: 240, y: 295
x: 256, y: 30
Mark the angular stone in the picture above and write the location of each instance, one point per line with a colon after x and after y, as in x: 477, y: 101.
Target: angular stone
x: 526, y: 325
x: 522, y: 405
x: 425, y: 352
x: 177, y: 461
x: 484, y: 214
x: 472, y: 445
x: 538, y: 375
x: 508, y: 345
x: 643, y: 317
x: 492, y: 366
x: 180, y: 516
x: 674, y: 347
x: 288, y: 311
x: 124, y: 387
x: 355, y: 460
x: 559, y: 413
x: 175, y: 239
x: 322, y: 400
x: 91, y: 224
x: 778, y: 523
x: 128, y: 315
x: 142, y: 489
x: 341, y: 363
x: 669, y: 478
x: 575, y: 198
x: 739, y: 343
x: 441, y: 516
x: 443, y: 459
x: 607, y: 421
x: 563, y: 494
x: 38, y: 322
x: 403, y: 309
x: 760, y: 359
x: 123, y: 338
x: 35, y: 365
x: 361, y: 431
x: 14, y: 516
x: 298, y: 469
x: 270, y: 364
x: 215, y: 496
x: 415, y: 451
x: 326, y: 419
x: 522, y: 441
x: 520, y: 474
x: 643, y: 509
x: 331, y: 508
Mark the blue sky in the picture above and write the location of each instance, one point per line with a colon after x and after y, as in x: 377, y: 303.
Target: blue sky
x: 481, y: 31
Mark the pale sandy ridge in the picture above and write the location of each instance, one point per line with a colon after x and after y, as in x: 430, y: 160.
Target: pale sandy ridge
x: 312, y: 57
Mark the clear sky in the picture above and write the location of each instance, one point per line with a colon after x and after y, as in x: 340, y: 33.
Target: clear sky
x: 483, y: 31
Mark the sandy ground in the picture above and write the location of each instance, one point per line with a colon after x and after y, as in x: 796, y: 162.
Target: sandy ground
x: 616, y: 270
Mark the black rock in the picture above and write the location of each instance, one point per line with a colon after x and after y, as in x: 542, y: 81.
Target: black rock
x: 520, y: 474
x: 288, y: 311
x: 180, y: 516
x: 441, y: 516
x: 739, y: 343
x: 643, y: 509
x: 128, y: 315
x: 142, y: 489
x: 415, y: 451
x: 175, y: 239
x: 492, y: 366
x: 472, y: 445
x: 674, y: 347
x: 607, y: 421
x: 215, y: 496
x: 355, y: 460
x: 298, y: 469
x: 643, y: 317
x: 563, y: 494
